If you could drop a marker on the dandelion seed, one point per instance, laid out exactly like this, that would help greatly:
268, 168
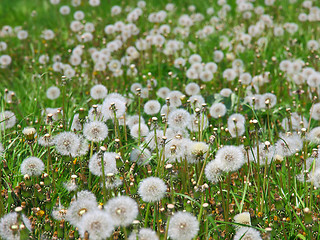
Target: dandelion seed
10, 228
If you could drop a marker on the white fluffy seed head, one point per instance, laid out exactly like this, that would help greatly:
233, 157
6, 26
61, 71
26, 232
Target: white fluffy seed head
53, 92
98, 91
183, 226
230, 158
32, 166
152, 107
152, 189
123, 210
217, 110
179, 119
67, 143
95, 131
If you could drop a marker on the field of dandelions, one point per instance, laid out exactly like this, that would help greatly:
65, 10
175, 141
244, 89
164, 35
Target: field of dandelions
151, 120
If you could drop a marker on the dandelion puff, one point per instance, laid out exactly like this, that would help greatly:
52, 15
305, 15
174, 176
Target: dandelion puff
314, 112
95, 131
236, 130
246, 233
196, 122
59, 213
109, 161
46, 140
9, 226
53, 92
236, 118
152, 189
174, 97
179, 118
144, 234
225, 92
67, 143
83, 148
154, 139
133, 120
78, 209
192, 89
98, 224
163, 92
183, 226
32, 166
7, 120
270, 98
140, 156
134, 131
196, 101
123, 210
70, 186
95, 114
297, 122
288, 145
313, 135
213, 172
85, 195
230, 158
152, 107
98, 91
56, 113
110, 103
76, 124
315, 178
218, 110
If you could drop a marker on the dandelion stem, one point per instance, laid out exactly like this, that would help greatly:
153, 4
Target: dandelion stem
147, 215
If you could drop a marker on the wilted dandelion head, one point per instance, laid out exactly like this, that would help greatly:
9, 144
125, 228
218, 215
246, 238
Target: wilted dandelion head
179, 119
183, 226
243, 218
95, 131
53, 92
32, 166
144, 234
152, 189
7, 120
246, 233
123, 210
98, 223
67, 143
230, 158
98, 91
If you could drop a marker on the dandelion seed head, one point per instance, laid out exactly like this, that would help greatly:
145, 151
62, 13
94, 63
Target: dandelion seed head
98, 91
53, 92
183, 226
152, 189
95, 131
123, 210
32, 166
